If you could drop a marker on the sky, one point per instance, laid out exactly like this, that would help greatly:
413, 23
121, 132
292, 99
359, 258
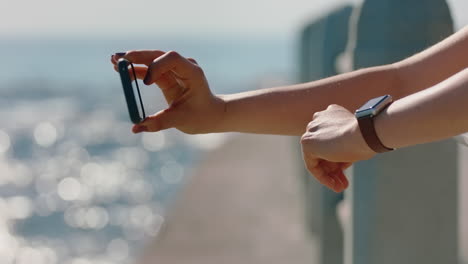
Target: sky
110, 17
146, 16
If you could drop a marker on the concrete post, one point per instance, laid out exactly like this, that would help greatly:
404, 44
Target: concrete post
404, 203
321, 43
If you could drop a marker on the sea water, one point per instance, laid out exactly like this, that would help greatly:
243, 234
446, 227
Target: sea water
76, 186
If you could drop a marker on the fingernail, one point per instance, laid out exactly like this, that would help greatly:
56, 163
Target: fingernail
120, 54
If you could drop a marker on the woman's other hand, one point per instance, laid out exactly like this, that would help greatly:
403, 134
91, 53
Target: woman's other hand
331, 143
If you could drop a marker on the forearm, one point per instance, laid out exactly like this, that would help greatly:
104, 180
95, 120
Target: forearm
433, 114
287, 110
434, 64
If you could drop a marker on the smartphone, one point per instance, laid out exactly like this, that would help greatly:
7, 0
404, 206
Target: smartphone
131, 90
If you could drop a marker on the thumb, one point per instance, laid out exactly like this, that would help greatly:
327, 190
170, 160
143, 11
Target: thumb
161, 120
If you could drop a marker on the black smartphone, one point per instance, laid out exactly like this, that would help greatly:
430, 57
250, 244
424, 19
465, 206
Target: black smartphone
131, 89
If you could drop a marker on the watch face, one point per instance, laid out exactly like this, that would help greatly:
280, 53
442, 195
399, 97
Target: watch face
373, 106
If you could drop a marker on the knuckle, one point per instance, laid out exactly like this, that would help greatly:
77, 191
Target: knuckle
316, 115
131, 53
192, 60
173, 54
197, 69
153, 63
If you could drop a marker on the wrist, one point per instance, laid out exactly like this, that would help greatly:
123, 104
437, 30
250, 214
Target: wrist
382, 123
366, 116
220, 122
362, 145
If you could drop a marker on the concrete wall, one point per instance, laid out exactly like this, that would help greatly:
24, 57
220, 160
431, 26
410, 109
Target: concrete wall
404, 203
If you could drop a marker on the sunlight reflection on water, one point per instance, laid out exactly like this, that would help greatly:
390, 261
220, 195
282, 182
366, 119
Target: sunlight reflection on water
4, 141
77, 187
45, 134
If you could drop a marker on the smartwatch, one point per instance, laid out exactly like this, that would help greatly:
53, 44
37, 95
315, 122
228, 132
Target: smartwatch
365, 117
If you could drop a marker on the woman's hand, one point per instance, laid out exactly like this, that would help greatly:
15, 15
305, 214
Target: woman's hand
331, 144
192, 107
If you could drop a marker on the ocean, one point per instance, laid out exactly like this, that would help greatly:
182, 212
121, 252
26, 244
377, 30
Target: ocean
76, 186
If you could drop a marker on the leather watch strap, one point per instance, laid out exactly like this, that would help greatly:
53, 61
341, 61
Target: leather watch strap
366, 125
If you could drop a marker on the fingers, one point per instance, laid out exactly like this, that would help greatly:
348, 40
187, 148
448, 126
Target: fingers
171, 61
138, 56
328, 173
317, 169
167, 82
167, 69
334, 170
319, 173
140, 72
339, 175
113, 61
171, 88
346, 165
192, 60
160, 121
159, 62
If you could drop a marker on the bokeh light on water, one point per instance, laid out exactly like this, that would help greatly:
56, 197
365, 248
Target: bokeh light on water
76, 186
4, 141
45, 134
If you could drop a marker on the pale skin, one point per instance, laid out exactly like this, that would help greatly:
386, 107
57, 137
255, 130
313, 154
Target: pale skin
436, 113
297, 109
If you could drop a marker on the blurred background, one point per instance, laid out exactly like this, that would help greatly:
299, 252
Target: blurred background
76, 186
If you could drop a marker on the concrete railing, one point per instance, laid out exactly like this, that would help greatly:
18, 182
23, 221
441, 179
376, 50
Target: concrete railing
322, 41
403, 204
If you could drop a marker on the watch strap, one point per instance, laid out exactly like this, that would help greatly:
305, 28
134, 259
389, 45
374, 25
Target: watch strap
366, 125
